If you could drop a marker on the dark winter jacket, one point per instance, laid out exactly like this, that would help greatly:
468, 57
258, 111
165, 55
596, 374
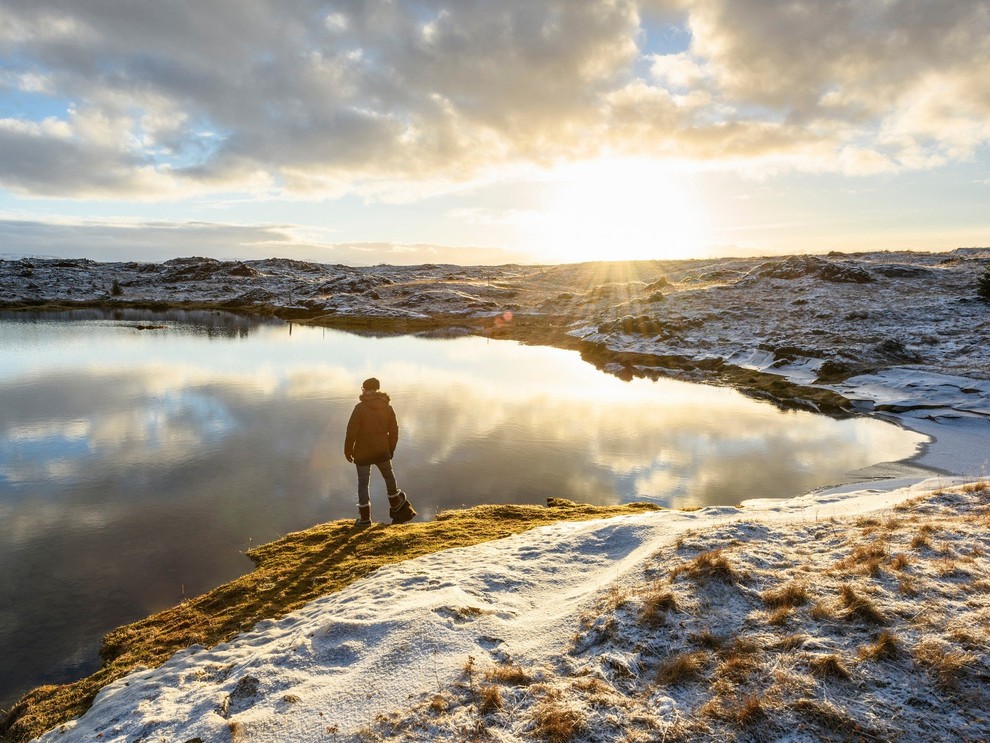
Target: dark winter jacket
372, 431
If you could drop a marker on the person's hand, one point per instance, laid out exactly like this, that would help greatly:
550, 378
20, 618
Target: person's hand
350, 457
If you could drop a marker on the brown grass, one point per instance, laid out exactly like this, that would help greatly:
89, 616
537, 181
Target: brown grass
832, 720
945, 664
900, 561
787, 596
489, 699
822, 611
885, 647
828, 667
739, 661
859, 607
682, 667
439, 705
656, 604
780, 616
707, 639
556, 722
510, 675
707, 566
743, 712
302, 566
907, 586
865, 559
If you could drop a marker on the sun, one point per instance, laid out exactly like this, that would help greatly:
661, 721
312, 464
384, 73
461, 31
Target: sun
621, 209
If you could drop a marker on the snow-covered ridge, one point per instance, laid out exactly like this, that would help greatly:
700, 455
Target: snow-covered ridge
814, 316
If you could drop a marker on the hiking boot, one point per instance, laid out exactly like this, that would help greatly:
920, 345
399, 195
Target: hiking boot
401, 509
364, 516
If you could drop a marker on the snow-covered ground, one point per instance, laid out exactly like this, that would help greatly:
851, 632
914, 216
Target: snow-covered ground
555, 627
415, 650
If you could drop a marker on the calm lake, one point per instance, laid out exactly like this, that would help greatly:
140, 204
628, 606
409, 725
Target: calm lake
142, 453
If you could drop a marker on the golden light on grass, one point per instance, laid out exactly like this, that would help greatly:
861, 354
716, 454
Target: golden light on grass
945, 663
489, 699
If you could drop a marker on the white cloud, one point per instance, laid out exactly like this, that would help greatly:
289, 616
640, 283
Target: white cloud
314, 97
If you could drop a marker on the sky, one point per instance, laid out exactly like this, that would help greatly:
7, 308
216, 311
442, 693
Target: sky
484, 131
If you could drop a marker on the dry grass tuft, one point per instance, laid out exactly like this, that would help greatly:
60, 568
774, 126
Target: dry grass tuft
786, 596
828, 667
489, 699
865, 559
832, 720
945, 664
860, 608
867, 522
899, 562
885, 647
790, 642
509, 675
907, 586
656, 604
708, 566
439, 705
592, 685
780, 616
555, 722
740, 661
707, 639
822, 611
743, 712
682, 667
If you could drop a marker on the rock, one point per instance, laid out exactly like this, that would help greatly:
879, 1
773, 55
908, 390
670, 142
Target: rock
630, 324
894, 351
901, 271
241, 269
660, 283
254, 296
801, 266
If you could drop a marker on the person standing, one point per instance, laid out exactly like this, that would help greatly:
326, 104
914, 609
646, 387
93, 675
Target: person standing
372, 435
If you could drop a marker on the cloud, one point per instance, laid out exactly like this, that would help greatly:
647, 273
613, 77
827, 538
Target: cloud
160, 241
313, 97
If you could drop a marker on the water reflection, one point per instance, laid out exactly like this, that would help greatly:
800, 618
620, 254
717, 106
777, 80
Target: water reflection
137, 464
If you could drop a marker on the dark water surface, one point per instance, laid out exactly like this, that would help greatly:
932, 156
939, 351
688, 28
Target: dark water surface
141, 454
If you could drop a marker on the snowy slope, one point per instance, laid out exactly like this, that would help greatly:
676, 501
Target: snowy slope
406, 633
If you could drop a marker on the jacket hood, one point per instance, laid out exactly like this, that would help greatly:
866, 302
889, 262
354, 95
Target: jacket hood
375, 398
